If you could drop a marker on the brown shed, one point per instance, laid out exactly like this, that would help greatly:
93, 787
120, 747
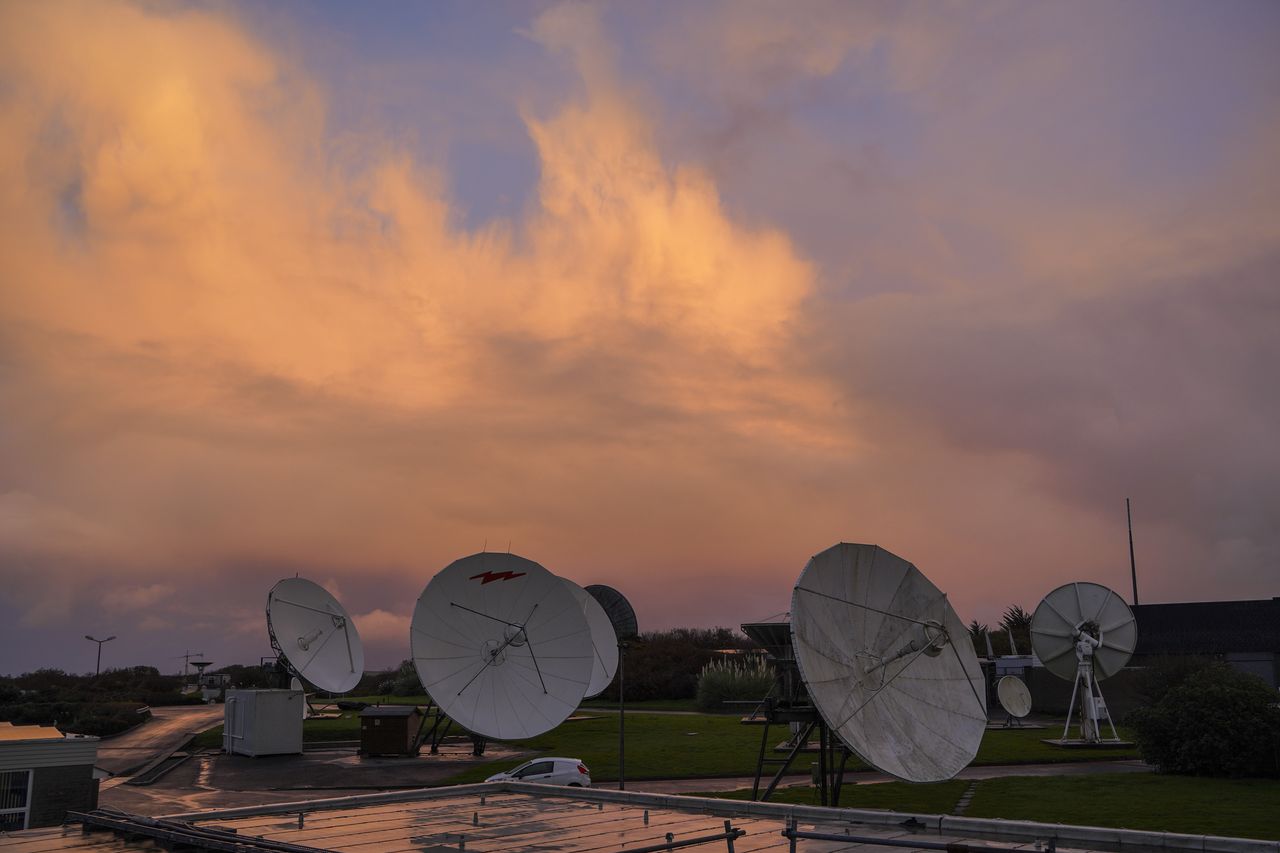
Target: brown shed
389, 729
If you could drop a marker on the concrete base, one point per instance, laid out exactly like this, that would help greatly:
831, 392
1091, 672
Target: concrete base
1076, 743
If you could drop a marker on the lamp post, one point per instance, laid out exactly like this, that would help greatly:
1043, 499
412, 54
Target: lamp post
98, 669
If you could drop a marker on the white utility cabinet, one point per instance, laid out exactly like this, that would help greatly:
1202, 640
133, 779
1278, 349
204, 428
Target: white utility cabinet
262, 722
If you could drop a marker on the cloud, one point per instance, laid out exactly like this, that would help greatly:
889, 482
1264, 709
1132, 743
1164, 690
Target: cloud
137, 597
381, 628
952, 284
231, 339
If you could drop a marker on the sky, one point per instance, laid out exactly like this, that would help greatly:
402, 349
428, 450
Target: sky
668, 296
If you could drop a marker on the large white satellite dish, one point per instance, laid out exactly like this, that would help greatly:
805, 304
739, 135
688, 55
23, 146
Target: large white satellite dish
888, 663
1092, 606
314, 633
604, 642
1014, 696
502, 646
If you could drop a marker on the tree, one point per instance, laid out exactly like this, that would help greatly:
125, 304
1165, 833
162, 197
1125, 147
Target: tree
978, 634
1018, 622
1214, 721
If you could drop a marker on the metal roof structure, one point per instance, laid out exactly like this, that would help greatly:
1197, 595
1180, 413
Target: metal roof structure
515, 816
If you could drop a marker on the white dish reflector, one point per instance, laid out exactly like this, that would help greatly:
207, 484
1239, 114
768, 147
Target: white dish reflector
315, 634
1014, 696
888, 663
1097, 608
502, 646
604, 642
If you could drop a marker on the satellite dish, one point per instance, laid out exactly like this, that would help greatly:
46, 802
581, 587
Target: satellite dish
604, 642
1083, 632
502, 646
618, 609
887, 663
1097, 609
312, 631
1014, 696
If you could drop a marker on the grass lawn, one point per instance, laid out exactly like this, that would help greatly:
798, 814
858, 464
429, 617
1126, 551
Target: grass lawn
1234, 807
662, 746
659, 746
1023, 746
1244, 807
933, 798
649, 705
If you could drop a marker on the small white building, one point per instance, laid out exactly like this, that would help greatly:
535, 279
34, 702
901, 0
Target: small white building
263, 722
43, 774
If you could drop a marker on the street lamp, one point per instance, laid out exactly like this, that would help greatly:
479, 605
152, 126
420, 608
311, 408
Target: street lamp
99, 642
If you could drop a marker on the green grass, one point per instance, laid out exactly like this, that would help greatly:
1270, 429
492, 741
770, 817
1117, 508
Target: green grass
1024, 746
933, 798
1148, 801
1240, 807
647, 705
659, 746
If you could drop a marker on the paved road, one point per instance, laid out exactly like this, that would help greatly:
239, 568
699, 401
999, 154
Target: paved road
168, 729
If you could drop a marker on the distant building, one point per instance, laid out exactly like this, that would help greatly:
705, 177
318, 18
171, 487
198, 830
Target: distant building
1244, 634
43, 774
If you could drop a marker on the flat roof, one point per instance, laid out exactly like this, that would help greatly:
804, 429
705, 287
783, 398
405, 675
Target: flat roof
510, 816
8, 731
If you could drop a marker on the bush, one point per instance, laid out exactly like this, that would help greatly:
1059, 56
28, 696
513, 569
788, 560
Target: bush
1213, 721
665, 664
736, 680
101, 718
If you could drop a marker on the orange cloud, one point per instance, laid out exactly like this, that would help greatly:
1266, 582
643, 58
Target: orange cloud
236, 341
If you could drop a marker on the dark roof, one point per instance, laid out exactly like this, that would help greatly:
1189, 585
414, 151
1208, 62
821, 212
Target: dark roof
389, 711
1208, 627
773, 637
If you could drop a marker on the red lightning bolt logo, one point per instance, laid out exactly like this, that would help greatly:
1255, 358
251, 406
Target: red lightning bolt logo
489, 577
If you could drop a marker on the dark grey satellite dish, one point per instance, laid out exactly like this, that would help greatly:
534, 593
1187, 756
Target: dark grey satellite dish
618, 609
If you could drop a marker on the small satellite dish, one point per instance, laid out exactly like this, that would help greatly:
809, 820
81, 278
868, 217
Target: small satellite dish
604, 642
314, 634
1096, 609
502, 646
1014, 696
618, 609
888, 663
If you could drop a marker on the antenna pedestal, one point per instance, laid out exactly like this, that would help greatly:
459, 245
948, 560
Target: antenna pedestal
1090, 710
801, 721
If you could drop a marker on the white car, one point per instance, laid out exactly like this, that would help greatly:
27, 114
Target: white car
548, 771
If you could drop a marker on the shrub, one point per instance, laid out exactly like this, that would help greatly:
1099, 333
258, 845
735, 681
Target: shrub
739, 680
1214, 721
665, 664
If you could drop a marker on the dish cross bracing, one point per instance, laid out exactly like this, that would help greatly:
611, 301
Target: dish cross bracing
888, 663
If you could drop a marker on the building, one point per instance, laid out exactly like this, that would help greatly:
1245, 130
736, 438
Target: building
1244, 634
43, 774
389, 730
